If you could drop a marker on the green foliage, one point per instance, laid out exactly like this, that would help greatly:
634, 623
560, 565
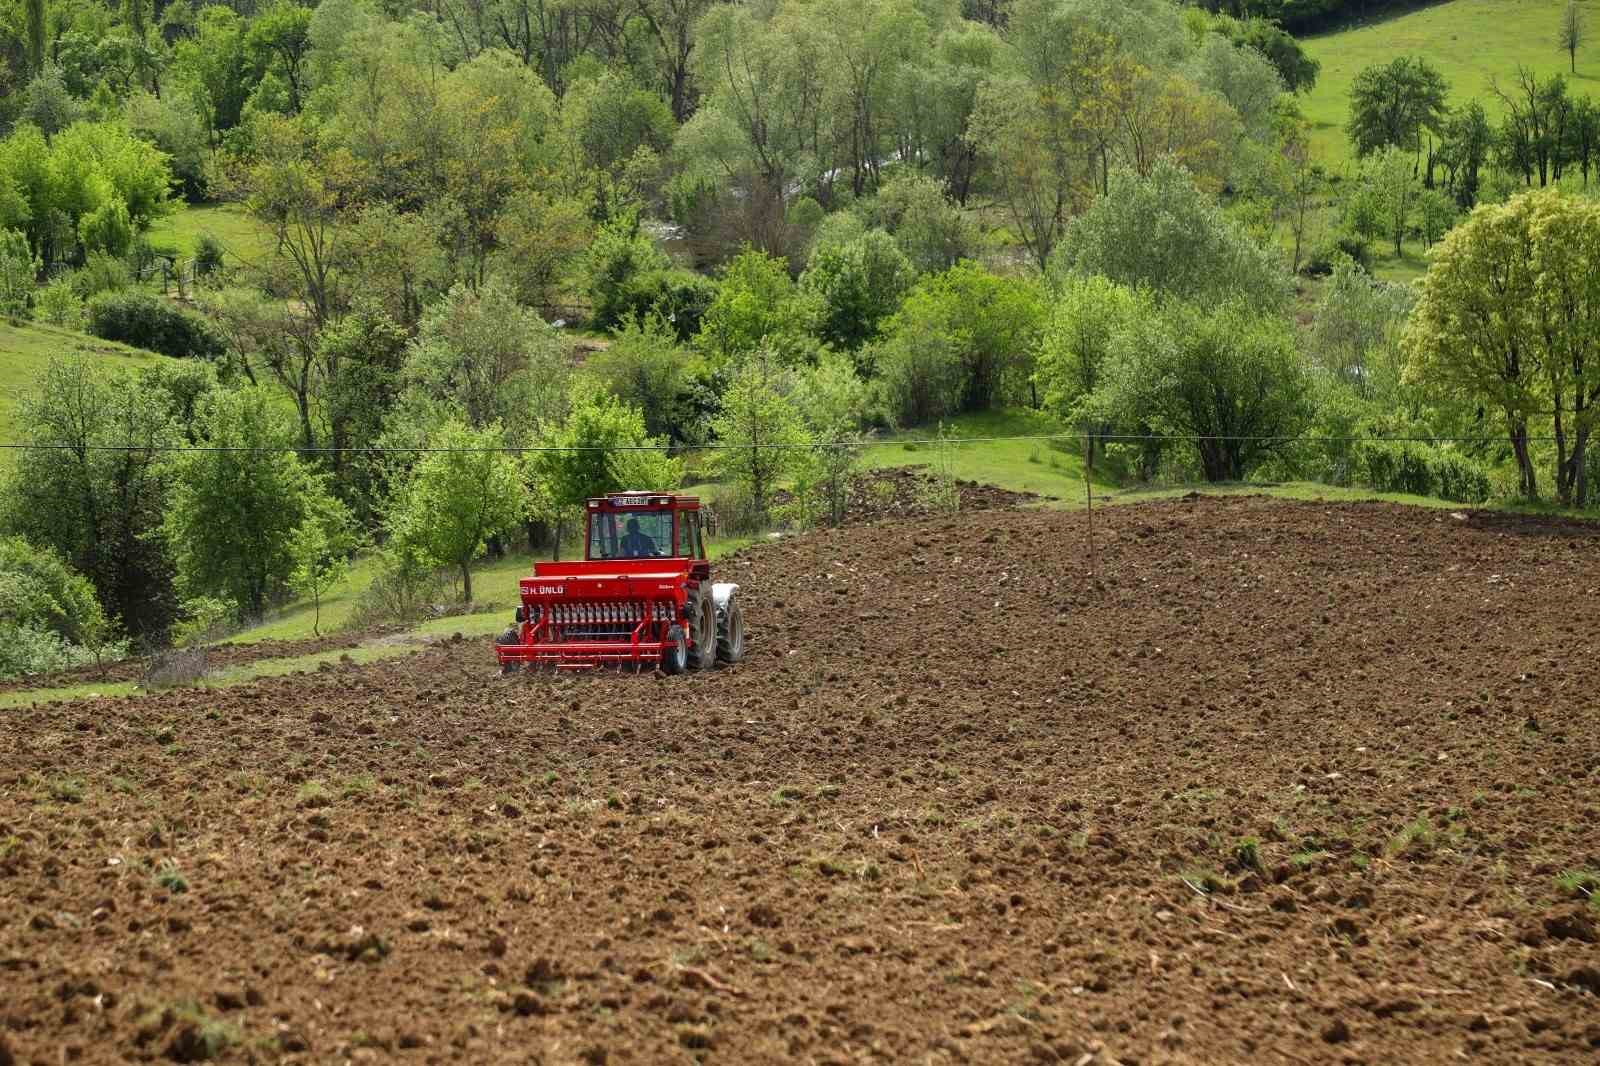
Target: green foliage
1421, 470
107, 229
48, 613
18, 266
233, 510
1297, 70
1392, 104
620, 254
1355, 333
57, 303
47, 104
208, 256
859, 285
541, 241
757, 303
1162, 232
1228, 377
595, 453
760, 431
466, 490
930, 230
321, 546
679, 298
145, 321
834, 403
647, 369
101, 273
1086, 319
98, 509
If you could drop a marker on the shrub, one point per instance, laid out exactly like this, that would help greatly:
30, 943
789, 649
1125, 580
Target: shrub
208, 256
1421, 470
101, 273
679, 298
143, 321
58, 304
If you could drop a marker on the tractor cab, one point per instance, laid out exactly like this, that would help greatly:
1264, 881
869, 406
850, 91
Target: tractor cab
643, 525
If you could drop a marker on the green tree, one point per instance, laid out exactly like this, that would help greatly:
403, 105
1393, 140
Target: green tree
233, 507
45, 609
1509, 318
1572, 33
320, 548
760, 432
930, 230
757, 303
1464, 146
540, 242
18, 267
619, 256
1298, 70
1087, 317
1394, 189
646, 368
34, 35
1162, 232
1356, 329
833, 401
95, 491
359, 364
859, 284
281, 37
602, 447
1393, 103
1227, 377
464, 491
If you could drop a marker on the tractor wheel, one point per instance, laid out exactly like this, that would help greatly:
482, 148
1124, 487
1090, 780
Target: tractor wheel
704, 655
675, 657
730, 638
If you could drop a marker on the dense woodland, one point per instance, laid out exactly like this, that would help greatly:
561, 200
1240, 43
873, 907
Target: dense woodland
499, 237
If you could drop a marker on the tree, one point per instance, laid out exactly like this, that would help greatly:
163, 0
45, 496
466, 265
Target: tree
760, 432
358, 363
95, 490
930, 230
1086, 320
34, 35
832, 400
281, 37
1227, 377
1509, 318
757, 303
1298, 70
1163, 232
464, 491
647, 369
1356, 330
672, 24
1394, 191
1537, 115
602, 447
234, 506
18, 267
859, 284
320, 549
1393, 103
488, 361
540, 242
45, 610
1572, 33
1464, 146
1299, 179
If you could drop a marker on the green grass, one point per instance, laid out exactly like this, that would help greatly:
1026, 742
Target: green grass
1048, 468
1467, 40
26, 350
243, 239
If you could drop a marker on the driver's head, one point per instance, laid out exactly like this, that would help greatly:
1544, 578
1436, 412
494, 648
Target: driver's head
633, 525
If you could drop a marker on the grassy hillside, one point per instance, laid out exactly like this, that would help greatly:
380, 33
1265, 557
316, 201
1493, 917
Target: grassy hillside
27, 349
1467, 40
242, 238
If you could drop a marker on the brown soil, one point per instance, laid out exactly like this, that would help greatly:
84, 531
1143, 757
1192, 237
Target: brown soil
1284, 783
218, 656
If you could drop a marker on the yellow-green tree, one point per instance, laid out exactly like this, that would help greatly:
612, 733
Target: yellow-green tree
1509, 318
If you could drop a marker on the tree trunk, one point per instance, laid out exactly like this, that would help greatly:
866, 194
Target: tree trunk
466, 581
1528, 484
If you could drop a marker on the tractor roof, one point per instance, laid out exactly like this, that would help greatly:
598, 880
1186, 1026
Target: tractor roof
639, 499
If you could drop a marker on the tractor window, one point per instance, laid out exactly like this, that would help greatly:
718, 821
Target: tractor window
630, 534
688, 531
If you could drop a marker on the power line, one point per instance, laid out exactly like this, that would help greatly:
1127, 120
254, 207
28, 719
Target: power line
1114, 438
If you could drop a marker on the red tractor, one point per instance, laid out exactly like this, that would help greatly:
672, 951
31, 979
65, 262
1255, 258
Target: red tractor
642, 595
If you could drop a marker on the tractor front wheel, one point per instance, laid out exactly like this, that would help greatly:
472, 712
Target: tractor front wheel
730, 637
675, 656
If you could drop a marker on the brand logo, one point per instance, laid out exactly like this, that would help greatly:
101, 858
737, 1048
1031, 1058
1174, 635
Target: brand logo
549, 590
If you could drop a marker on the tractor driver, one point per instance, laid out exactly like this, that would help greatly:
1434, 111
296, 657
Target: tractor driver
636, 544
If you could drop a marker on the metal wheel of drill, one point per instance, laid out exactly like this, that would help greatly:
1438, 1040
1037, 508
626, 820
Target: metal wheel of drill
704, 655
730, 637
675, 656
511, 635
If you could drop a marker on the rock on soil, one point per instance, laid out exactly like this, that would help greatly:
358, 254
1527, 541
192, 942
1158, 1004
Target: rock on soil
1259, 788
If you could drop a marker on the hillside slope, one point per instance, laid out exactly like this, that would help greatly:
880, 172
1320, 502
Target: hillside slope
1469, 41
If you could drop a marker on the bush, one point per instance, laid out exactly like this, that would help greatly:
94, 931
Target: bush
143, 321
58, 305
678, 297
101, 273
208, 256
1421, 470
1325, 256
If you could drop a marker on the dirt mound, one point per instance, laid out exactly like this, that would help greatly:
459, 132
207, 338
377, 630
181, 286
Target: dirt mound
1279, 782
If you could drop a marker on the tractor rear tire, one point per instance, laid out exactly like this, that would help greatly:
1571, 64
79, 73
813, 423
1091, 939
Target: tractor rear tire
730, 636
704, 654
675, 656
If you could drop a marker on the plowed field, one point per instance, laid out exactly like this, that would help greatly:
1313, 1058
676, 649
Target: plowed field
1281, 783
